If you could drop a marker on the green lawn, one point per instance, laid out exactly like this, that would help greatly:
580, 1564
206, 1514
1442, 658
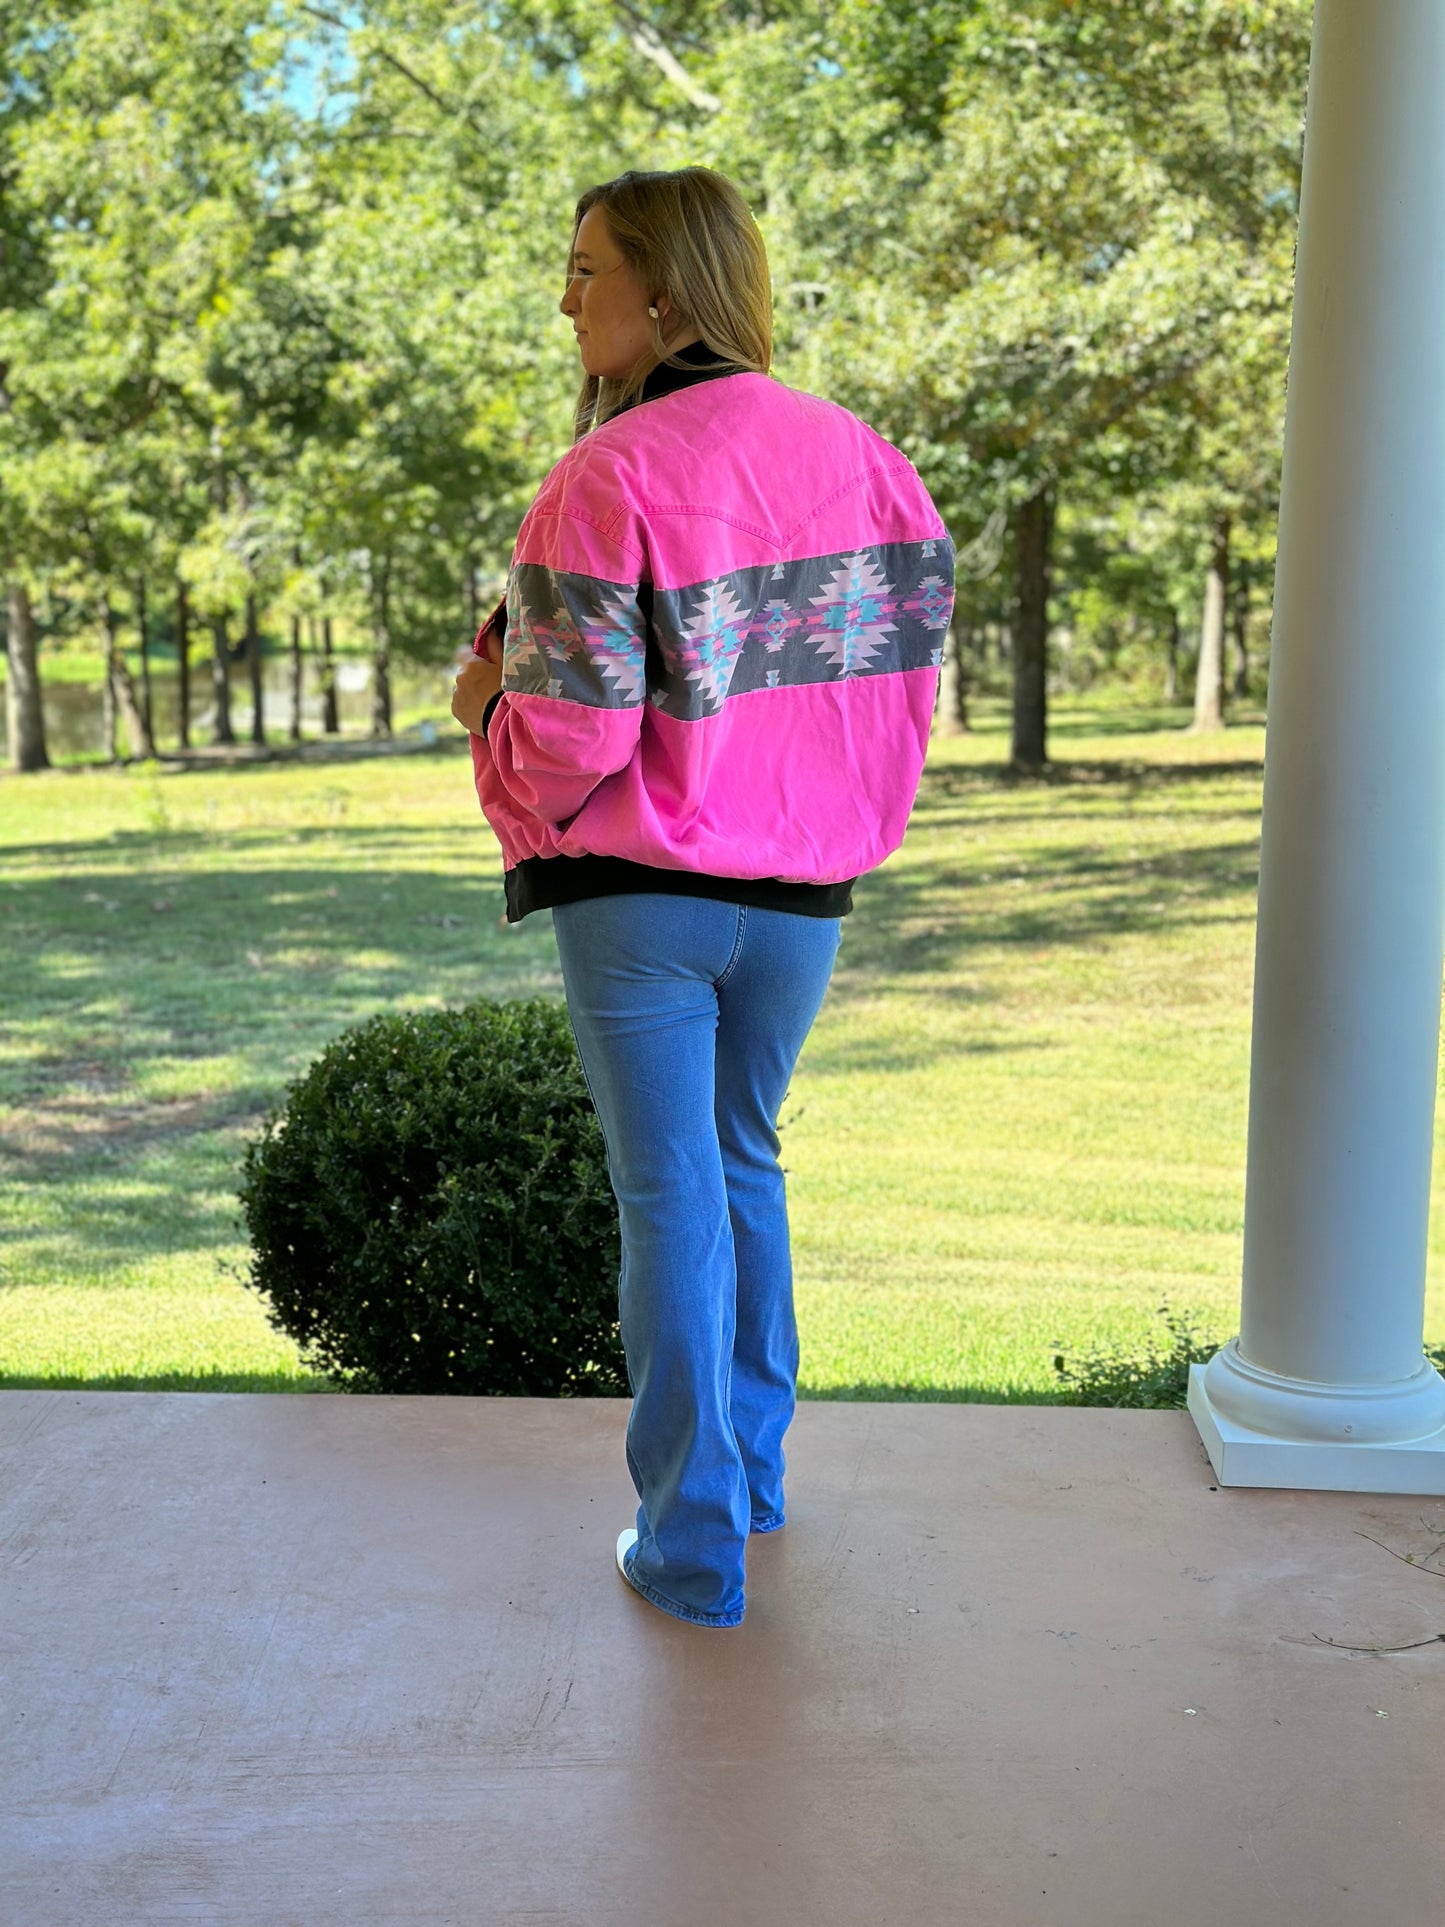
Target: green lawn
1017, 1128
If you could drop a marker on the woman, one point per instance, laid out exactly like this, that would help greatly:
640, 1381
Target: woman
722, 631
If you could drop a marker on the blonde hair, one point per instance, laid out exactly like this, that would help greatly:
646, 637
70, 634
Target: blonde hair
689, 235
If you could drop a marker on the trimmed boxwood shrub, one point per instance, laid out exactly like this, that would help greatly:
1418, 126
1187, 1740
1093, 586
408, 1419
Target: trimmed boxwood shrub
429, 1209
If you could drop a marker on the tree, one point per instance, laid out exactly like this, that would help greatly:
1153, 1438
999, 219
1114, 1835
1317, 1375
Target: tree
1001, 250
1209, 683
309, 367
24, 717
29, 33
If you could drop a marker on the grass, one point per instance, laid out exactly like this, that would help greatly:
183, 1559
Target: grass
1017, 1128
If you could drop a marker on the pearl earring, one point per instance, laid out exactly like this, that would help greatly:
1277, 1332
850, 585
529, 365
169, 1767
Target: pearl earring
653, 313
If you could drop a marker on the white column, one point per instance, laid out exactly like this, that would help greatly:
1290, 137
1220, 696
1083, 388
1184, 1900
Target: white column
1326, 1386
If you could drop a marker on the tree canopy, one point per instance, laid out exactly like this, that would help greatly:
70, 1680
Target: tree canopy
278, 287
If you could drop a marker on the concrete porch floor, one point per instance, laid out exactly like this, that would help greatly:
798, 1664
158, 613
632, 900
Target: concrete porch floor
311, 1659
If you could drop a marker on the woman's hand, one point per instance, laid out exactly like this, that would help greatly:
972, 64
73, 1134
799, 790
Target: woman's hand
478, 682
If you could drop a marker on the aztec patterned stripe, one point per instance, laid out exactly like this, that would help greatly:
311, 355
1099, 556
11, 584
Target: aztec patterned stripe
573, 636
823, 618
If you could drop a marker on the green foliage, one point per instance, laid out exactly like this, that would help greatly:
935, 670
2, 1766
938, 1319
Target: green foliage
430, 1212
1157, 1380
1116, 606
299, 344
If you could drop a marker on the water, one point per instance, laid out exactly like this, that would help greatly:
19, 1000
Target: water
74, 723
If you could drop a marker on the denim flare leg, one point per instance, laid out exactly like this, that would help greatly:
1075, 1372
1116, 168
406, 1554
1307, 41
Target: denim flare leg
689, 1015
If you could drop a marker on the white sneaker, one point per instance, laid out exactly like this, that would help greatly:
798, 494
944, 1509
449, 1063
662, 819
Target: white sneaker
624, 1540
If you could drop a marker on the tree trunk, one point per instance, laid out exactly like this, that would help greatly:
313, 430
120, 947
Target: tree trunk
147, 703
221, 625
221, 678
1239, 623
1209, 684
381, 691
108, 716
330, 719
952, 706
183, 662
295, 679
24, 712
253, 666
296, 664
381, 679
122, 688
1171, 658
1030, 636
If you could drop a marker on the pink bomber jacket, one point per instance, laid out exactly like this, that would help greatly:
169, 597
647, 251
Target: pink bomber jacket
725, 618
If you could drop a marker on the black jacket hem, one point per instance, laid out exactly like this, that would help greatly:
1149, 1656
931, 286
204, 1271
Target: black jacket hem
541, 882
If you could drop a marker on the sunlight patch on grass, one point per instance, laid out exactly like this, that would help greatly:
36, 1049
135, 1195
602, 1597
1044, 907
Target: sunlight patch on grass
184, 1330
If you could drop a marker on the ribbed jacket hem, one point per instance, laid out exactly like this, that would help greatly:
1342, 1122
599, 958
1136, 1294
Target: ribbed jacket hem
540, 882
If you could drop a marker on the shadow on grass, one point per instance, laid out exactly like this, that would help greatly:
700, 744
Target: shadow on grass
1128, 775
159, 952
918, 922
1145, 721
202, 961
159, 992
147, 952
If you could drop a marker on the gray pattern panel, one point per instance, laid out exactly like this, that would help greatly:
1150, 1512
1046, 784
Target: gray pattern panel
860, 612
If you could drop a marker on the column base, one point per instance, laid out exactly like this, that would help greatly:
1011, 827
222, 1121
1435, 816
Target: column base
1244, 1457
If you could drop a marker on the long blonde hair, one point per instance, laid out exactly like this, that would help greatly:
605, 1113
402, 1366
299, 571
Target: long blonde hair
687, 233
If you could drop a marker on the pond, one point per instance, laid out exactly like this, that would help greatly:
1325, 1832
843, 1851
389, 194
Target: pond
74, 723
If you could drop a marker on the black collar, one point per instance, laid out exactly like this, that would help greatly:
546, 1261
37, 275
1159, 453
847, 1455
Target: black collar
701, 366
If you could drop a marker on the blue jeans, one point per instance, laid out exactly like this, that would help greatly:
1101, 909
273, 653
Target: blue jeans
689, 1015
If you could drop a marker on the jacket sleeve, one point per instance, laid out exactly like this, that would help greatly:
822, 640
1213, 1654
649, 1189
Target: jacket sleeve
570, 710
494, 626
